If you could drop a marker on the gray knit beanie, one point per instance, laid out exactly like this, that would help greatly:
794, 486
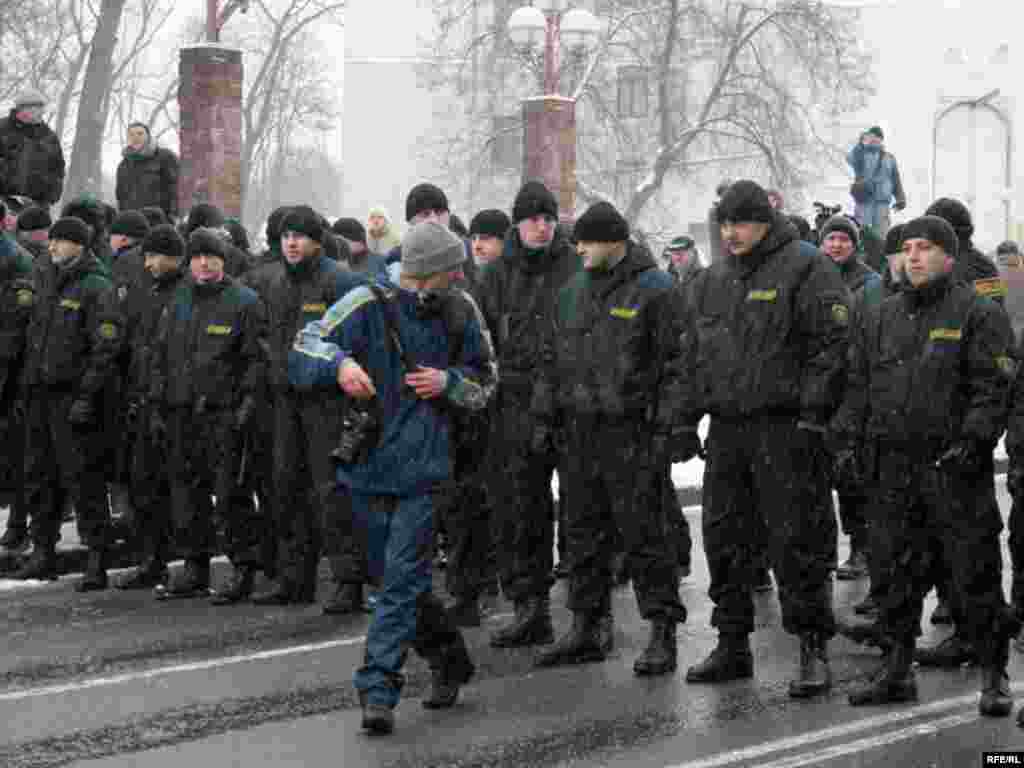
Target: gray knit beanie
429, 248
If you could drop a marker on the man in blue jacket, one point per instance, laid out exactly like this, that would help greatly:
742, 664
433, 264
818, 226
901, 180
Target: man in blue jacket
409, 353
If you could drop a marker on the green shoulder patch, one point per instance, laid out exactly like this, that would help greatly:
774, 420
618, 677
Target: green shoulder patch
108, 330
25, 297
71, 304
218, 330
945, 334
763, 295
1006, 365
991, 287
318, 307
626, 313
841, 314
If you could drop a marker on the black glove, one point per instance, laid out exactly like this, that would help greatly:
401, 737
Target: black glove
244, 412
543, 439
965, 457
846, 469
157, 426
82, 413
134, 409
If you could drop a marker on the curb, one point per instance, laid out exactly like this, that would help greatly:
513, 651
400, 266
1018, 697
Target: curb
72, 559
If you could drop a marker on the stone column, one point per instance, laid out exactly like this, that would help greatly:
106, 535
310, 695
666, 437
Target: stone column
549, 149
210, 100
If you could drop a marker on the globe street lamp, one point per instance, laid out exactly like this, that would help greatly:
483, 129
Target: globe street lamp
549, 120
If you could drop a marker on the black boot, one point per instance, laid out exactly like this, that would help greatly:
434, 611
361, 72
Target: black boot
149, 574
730, 660
863, 632
238, 589
531, 625
660, 656
465, 611
451, 670
952, 652
581, 644
95, 578
996, 698
348, 598
377, 719
896, 683
41, 565
815, 676
14, 540
281, 594
195, 581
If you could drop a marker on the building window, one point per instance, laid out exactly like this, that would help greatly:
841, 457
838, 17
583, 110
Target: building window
507, 143
632, 91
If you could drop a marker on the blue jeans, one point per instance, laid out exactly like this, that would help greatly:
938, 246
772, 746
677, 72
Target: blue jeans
400, 544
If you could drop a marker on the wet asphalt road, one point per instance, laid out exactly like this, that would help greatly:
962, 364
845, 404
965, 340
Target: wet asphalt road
116, 679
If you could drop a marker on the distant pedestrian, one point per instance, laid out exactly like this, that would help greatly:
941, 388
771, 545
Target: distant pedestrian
147, 174
31, 158
877, 186
382, 236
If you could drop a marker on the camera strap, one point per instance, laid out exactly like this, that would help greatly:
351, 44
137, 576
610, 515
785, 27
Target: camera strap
387, 301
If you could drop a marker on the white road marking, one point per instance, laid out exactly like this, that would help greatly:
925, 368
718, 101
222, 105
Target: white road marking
835, 732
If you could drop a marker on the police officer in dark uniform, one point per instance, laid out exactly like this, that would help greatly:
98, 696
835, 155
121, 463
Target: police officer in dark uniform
517, 295
307, 426
764, 338
75, 336
612, 374
163, 253
929, 377
208, 372
17, 297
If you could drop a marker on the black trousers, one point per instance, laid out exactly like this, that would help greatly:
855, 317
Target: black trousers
151, 493
62, 461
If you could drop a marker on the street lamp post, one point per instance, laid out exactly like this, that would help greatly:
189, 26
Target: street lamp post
549, 120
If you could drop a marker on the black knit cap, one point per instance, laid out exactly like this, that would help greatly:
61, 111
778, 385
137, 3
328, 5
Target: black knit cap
274, 220
305, 220
239, 234
490, 223
424, 197
955, 213
935, 229
34, 218
73, 229
840, 223
894, 238
350, 229
745, 201
130, 224
164, 239
90, 210
154, 215
534, 199
601, 223
209, 241
204, 215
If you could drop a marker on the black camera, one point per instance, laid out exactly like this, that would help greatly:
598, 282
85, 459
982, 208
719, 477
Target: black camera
359, 432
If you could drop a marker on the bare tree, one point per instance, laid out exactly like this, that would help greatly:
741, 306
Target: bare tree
676, 90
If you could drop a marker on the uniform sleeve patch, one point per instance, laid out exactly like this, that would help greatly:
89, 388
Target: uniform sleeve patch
1006, 365
218, 330
317, 307
25, 297
945, 334
763, 295
991, 287
841, 314
71, 304
626, 313
108, 330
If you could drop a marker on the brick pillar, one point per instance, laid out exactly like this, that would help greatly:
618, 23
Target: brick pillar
210, 99
549, 148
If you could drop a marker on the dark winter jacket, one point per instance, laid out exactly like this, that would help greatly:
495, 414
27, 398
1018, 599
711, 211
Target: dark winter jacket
210, 346
76, 331
263, 268
294, 297
31, 161
142, 307
856, 274
517, 295
931, 367
148, 179
976, 269
611, 348
17, 298
413, 453
766, 333
128, 271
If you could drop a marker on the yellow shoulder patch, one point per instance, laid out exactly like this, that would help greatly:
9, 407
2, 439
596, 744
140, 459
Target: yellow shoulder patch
945, 334
70, 304
991, 287
108, 330
841, 314
769, 295
318, 307
218, 330
25, 297
1006, 365
626, 313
